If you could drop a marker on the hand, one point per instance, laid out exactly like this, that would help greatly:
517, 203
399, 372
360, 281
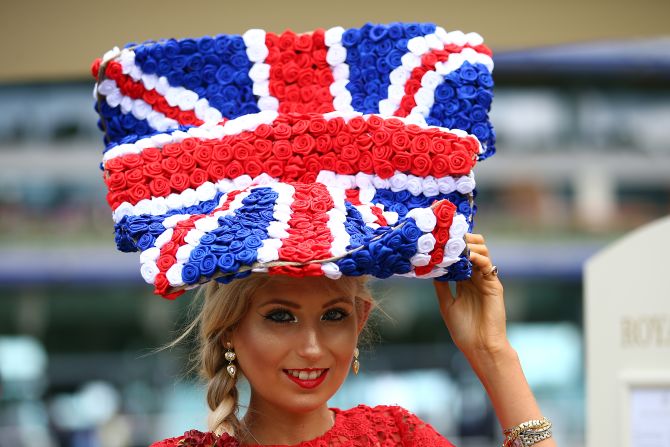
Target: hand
475, 317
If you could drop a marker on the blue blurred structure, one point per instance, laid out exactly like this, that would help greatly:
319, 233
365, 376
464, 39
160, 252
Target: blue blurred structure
625, 60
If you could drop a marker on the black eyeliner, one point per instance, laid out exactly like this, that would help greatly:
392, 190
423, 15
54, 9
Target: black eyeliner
279, 310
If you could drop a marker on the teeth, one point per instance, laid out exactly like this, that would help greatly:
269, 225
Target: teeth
305, 375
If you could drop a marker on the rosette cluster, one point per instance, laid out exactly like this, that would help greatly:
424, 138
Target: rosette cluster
336, 152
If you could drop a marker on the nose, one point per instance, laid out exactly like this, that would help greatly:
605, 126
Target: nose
310, 345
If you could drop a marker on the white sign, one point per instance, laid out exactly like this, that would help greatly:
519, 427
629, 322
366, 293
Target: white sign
650, 417
627, 326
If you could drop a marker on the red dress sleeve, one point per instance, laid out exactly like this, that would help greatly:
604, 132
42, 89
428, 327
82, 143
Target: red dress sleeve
192, 438
170, 442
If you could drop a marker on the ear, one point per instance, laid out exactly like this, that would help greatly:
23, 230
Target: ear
362, 314
225, 338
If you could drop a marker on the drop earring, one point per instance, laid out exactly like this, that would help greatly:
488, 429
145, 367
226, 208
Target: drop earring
230, 356
356, 364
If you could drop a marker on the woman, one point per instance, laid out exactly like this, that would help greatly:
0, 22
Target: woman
330, 156
294, 340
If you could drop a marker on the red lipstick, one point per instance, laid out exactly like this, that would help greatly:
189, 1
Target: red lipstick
307, 383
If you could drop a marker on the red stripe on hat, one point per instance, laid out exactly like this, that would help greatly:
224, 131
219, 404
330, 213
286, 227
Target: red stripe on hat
444, 211
136, 90
381, 220
309, 235
167, 257
300, 76
292, 149
353, 196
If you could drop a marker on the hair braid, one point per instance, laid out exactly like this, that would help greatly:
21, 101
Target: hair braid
223, 308
222, 394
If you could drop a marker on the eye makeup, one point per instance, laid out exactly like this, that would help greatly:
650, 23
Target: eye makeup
281, 315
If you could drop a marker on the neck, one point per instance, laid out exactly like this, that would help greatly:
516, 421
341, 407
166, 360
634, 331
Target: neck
266, 424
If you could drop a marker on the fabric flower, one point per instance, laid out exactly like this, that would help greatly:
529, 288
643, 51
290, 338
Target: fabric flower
162, 161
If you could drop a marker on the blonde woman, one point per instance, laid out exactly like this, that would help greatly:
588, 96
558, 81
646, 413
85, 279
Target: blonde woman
294, 340
283, 169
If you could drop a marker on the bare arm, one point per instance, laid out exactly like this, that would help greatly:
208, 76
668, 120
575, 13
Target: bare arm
475, 318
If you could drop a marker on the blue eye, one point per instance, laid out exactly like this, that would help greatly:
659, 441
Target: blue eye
334, 315
280, 316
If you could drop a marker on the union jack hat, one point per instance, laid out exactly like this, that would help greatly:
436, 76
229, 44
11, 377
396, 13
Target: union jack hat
336, 152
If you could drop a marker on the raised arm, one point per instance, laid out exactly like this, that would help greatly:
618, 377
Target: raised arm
475, 318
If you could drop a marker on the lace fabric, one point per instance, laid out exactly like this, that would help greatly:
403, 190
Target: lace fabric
361, 426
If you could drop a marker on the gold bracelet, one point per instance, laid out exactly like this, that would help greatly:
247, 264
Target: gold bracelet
528, 433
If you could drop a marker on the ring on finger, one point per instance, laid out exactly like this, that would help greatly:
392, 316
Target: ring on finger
493, 271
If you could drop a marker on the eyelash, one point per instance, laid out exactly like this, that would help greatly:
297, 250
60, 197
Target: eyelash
273, 313
343, 314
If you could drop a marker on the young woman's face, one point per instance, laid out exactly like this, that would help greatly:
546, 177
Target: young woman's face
295, 344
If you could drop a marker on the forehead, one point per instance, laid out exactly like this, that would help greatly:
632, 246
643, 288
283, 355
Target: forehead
311, 289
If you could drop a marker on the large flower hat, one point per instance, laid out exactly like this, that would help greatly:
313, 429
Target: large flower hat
326, 153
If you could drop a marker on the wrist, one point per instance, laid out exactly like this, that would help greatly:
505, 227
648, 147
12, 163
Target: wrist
493, 361
499, 370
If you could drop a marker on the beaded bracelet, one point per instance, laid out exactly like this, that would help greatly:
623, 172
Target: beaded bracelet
528, 433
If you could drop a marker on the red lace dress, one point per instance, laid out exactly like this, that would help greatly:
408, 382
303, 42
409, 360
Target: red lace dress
362, 426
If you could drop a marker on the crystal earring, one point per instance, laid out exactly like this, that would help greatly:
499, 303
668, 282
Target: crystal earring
230, 356
356, 364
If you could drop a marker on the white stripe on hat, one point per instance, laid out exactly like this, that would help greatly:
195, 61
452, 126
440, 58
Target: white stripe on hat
277, 230
139, 108
176, 96
336, 58
367, 184
417, 47
201, 227
425, 96
337, 216
259, 73
206, 131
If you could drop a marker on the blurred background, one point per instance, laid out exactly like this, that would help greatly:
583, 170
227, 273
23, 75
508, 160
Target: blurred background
582, 114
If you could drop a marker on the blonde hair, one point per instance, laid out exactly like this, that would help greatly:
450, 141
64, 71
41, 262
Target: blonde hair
223, 308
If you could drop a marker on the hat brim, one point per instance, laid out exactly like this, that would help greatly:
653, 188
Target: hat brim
264, 229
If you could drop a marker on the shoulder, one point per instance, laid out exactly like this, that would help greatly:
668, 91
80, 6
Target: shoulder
169, 442
376, 412
193, 438
395, 423
380, 415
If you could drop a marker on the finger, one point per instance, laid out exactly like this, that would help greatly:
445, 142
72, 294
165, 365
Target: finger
474, 238
444, 295
479, 248
482, 263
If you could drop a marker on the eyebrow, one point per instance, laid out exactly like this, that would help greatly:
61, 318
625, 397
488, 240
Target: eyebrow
338, 300
282, 302
294, 305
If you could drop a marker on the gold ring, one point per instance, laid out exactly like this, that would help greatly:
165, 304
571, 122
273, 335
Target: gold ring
493, 271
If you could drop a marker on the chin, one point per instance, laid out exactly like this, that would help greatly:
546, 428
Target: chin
295, 400
304, 404
289, 397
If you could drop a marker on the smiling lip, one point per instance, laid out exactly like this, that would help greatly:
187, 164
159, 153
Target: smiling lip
308, 383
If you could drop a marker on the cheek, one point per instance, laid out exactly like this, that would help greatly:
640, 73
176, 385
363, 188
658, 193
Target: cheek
346, 356
341, 340
258, 350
